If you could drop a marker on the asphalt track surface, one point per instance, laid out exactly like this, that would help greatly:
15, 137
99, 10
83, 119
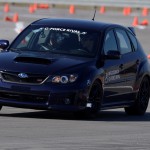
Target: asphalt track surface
26, 129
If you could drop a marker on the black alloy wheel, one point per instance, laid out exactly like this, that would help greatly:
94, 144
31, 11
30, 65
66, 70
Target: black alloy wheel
141, 103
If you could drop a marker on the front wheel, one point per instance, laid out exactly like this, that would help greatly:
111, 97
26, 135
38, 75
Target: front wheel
141, 103
95, 98
1, 107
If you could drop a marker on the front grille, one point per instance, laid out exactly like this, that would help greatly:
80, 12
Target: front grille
31, 79
27, 98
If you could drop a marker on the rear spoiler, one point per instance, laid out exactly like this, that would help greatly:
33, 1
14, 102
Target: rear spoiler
132, 30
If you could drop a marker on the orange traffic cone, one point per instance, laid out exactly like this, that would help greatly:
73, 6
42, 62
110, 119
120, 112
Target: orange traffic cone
15, 17
31, 9
102, 10
148, 56
8, 19
72, 9
43, 6
135, 21
35, 6
144, 22
128, 10
145, 12
125, 13
6, 8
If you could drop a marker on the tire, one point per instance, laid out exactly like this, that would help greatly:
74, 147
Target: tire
141, 103
1, 107
95, 97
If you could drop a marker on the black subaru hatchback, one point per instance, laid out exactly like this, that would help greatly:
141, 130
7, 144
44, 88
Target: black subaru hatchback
75, 65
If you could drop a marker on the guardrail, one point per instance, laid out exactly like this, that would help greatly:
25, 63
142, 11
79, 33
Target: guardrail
110, 3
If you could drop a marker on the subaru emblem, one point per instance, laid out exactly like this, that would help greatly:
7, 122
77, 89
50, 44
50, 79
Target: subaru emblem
22, 75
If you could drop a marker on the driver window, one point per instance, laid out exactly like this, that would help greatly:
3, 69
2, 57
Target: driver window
110, 42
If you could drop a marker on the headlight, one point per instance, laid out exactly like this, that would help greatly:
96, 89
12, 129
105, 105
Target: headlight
63, 79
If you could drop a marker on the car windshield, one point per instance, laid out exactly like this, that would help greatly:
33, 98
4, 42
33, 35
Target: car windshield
57, 40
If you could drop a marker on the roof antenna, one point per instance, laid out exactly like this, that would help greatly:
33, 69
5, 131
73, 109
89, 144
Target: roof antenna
94, 14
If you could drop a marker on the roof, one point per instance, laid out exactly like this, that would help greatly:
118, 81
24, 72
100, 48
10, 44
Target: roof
73, 23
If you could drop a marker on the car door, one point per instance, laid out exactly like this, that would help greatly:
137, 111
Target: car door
114, 82
130, 58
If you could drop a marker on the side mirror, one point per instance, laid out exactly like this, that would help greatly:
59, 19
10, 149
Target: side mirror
4, 44
111, 54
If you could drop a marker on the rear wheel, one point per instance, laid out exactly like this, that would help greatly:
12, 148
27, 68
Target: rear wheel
141, 103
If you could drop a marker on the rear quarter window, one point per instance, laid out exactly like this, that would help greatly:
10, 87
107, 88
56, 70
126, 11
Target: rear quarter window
133, 40
124, 41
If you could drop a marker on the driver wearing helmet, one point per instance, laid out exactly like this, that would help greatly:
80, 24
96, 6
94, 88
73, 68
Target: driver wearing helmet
87, 43
52, 43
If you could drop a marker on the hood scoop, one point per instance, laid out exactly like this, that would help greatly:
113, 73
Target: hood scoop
33, 60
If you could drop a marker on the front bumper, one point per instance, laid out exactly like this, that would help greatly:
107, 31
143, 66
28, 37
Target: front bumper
44, 97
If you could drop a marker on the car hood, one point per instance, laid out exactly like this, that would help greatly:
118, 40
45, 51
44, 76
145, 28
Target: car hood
39, 63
